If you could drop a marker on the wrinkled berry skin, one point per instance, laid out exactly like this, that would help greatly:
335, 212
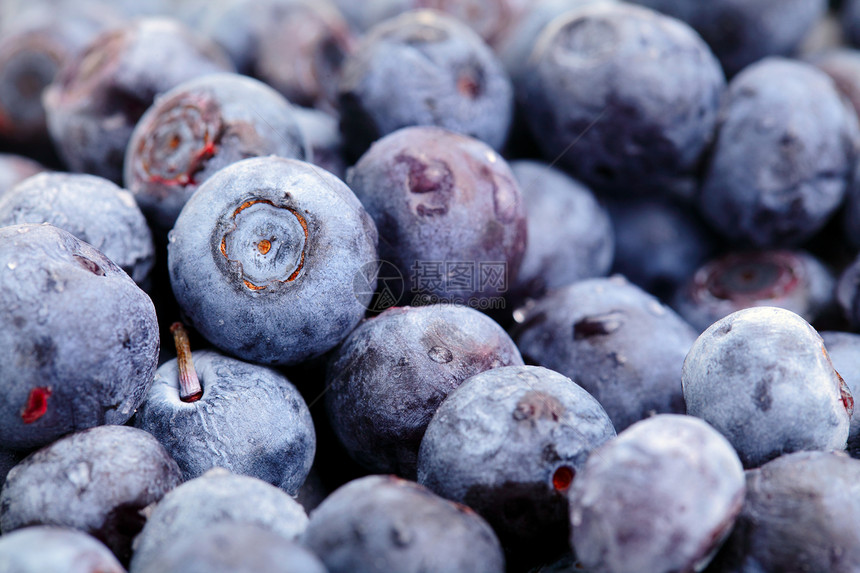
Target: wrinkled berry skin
14, 169
423, 68
599, 76
234, 548
793, 280
762, 377
390, 375
322, 132
265, 256
381, 523
250, 420
200, 127
661, 497
92, 209
800, 514
97, 98
97, 480
43, 548
444, 198
570, 236
741, 32
508, 443
80, 339
783, 156
216, 497
844, 351
615, 340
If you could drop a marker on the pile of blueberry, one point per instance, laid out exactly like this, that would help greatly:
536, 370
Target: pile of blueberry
473, 286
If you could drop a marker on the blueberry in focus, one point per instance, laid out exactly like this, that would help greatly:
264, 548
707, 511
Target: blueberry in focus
423, 68
509, 443
616, 341
265, 256
449, 211
844, 351
44, 548
14, 169
97, 98
389, 376
97, 480
80, 339
92, 209
783, 156
199, 127
661, 497
216, 497
379, 524
243, 417
762, 377
794, 280
570, 236
626, 99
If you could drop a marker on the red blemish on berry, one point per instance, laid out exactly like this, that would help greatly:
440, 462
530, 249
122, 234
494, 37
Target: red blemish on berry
37, 404
562, 478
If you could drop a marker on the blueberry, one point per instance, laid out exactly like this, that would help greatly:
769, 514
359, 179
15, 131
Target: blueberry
794, 280
783, 156
390, 375
844, 351
493, 20
234, 548
363, 16
98, 96
199, 127
42, 549
214, 498
661, 497
615, 340
423, 68
659, 243
247, 418
324, 139
264, 256
97, 480
92, 209
382, 523
449, 211
570, 234
800, 514
80, 339
508, 443
762, 377
14, 169
599, 79
741, 32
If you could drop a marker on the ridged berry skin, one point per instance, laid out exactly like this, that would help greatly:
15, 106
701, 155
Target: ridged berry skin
265, 256
442, 198
423, 68
250, 420
216, 497
844, 351
92, 209
661, 497
616, 341
800, 514
200, 127
44, 548
389, 376
793, 280
16, 168
508, 443
98, 481
762, 377
637, 91
235, 548
80, 339
570, 236
783, 156
378, 524
97, 98
741, 32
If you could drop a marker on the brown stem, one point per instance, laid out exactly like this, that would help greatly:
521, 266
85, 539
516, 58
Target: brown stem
190, 389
